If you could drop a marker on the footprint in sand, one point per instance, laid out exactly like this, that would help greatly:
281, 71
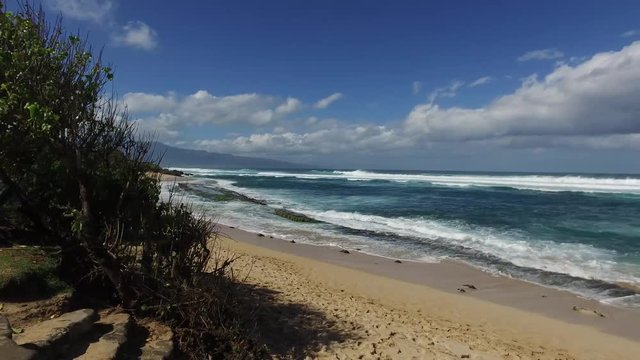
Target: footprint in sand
588, 311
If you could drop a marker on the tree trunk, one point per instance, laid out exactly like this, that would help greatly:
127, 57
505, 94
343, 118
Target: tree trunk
90, 237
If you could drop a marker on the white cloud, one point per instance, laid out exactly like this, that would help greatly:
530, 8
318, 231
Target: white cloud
416, 86
592, 104
481, 81
631, 33
595, 98
338, 139
143, 102
600, 142
136, 34
165, 126
173, 113
449, 91
542, 54
94, 10
326, 102
290, 106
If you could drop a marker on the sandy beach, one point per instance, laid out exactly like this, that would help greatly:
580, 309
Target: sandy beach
338, 305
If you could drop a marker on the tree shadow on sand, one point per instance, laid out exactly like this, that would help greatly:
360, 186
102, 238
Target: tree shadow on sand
290, 330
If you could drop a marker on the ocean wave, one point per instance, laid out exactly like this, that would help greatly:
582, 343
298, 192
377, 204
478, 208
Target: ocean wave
578, 260
583, 269
627, 185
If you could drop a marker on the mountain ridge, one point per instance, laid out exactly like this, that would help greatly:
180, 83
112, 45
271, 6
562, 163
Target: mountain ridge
172, 156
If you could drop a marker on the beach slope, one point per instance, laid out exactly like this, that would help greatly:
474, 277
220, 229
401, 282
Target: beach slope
322, 310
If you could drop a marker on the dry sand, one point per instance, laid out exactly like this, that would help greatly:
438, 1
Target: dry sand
342, 307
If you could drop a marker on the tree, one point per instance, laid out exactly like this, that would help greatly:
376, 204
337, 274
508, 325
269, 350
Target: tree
73, 173
70, 157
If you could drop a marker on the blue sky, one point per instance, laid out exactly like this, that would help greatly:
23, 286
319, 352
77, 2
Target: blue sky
462, 85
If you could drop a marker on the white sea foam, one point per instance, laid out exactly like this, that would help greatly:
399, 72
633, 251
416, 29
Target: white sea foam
578, 260
629, 185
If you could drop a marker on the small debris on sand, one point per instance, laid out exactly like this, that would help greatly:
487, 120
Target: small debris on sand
470, 286
462, 290
345, 251
260, 235
398, 262
588, 311
292, 241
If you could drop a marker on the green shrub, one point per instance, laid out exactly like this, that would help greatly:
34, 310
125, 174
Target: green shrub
28, 273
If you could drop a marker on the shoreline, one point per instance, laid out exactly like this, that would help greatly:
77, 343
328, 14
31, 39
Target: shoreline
449, 276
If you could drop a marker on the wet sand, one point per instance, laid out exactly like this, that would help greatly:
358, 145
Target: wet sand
415, 310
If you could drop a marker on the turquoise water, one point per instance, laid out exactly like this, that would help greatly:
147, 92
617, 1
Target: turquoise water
575, 232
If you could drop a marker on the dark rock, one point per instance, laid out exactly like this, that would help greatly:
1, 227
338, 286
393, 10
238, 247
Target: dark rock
294, 216
292, 241
470, 286
5, 328
8, 348
260, 235
398, 262
12, 351
462, 290
63, 329
345, 251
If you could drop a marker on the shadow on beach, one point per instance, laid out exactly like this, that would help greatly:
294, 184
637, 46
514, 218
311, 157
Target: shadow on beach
290, 330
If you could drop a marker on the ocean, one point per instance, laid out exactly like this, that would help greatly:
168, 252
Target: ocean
577, 232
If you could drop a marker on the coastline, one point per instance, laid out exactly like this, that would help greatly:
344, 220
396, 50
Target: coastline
508, 308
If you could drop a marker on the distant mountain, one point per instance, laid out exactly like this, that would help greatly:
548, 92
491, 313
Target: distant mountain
178, 157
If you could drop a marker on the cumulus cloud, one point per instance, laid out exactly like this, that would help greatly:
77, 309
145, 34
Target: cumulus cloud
136, 34
600, 142
165, 126
481, 81
173, 113
596, 97
326, 102
542, 54
143, 102
290, 106
591, 104
94, 10
337, 139
448, 91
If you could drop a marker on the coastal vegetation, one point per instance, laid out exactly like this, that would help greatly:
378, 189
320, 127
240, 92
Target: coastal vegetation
74, 178
29, 273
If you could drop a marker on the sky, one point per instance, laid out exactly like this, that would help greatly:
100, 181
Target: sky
431, 85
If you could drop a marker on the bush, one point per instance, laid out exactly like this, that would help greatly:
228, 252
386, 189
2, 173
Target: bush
74, 173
